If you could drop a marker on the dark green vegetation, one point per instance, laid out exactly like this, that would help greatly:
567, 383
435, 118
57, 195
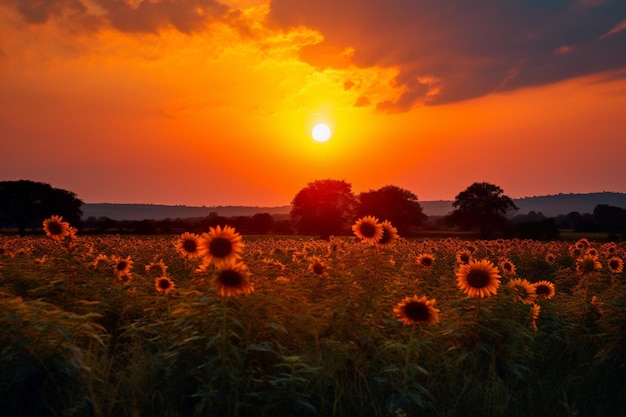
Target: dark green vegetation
327, 208
78, 341
25, 204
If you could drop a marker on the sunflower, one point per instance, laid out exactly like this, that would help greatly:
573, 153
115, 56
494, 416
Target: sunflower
233, 278
587, 264
615, 264
597, 305
414, 310
534, 315
478, 278
508, 267
609, 249
368, 229
425, 259
544, 289
582, 243
464, 256
220, 245
523, 291
122, 267
187, 245
99, 260
164, 285
56, 228
550, 258
72, 232
156, 269
317, 266
389, 236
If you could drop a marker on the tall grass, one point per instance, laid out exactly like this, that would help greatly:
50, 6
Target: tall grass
78, 341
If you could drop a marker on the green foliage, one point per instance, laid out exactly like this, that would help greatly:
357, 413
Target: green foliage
27, 203
77, 340
324, 207
482, 206
395, 204
42, 365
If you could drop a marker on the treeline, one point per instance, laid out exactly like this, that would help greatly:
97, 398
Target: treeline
258, 224
604, 219
323, 208
533, 225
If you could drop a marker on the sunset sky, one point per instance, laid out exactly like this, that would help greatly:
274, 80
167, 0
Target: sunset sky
202, 102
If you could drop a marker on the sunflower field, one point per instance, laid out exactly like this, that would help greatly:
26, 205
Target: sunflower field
371, 325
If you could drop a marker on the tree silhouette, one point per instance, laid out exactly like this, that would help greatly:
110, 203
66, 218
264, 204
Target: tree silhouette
482, 206
26, 204
261, 223
324, 208
609, 218
395, 204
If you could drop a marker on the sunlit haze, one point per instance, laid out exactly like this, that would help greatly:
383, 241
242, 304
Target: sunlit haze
197, 102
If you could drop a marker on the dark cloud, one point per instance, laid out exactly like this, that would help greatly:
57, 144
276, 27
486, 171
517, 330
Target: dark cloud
40, 11
457, 49
186, 16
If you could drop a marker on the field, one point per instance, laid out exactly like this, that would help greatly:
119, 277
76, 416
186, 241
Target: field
133, 326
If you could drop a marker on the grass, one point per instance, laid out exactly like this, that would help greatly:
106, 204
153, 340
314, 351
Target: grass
79, 341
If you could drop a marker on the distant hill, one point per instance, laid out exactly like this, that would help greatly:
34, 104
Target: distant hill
549, 205
160, 212
554, 205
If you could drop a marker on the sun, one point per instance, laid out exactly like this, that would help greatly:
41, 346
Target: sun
321, 132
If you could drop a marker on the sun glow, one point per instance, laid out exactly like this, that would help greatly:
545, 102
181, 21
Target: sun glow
321, 133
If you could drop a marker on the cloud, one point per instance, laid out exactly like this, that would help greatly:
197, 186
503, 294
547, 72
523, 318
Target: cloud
455, 50
41, 11
144, 16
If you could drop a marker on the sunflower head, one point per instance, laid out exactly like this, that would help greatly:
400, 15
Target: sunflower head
550, 258
587, 264
56, 228
463, 257
478, 278
416, 310
188, 245
156, 268
523, 291
164, 285
615, 265
317, 266
221, 245
122, 267
425, 260
507, 267
368, 229
389, 236
544, 289
232, 278
100, 259
582, 243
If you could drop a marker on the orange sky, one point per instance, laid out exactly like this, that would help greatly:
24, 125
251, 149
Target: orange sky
197, 102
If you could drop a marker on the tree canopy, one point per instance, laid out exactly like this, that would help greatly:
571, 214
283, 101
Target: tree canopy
395, 204
26, 204
481, 206
324, 207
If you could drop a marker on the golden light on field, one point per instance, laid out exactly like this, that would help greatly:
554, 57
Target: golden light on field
321, 132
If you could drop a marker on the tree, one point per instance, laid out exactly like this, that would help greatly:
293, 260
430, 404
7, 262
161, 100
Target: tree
261, 223
26, 203
324, 207
395, 204
482, 206
609, 218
